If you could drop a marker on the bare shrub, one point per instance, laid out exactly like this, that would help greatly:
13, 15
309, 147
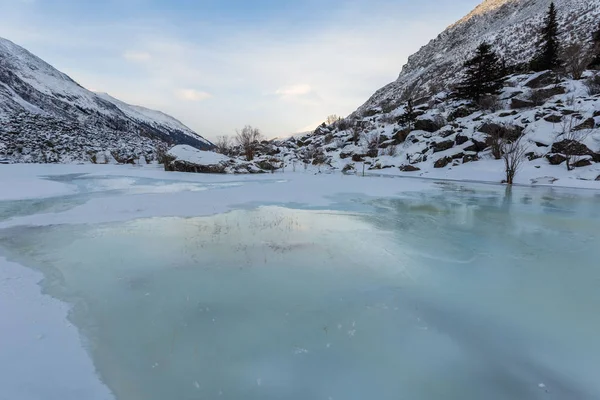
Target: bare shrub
576, 58
513, 153
439, 121
593, 85
538, 97
371, 143
499, 135
223, 145
571, 141
391, 151
248, 138
570, 100
332, 119
491, 103
161, 151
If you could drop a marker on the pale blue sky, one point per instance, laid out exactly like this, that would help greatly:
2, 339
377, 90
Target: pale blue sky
217, 65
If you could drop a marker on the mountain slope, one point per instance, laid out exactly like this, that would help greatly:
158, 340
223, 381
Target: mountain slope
37, 102
510, 25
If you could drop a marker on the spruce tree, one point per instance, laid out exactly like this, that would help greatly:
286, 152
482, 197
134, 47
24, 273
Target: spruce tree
595, 64
547, 56
484, 74
410, 116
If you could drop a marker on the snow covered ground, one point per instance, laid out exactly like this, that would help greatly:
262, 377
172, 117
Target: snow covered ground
347, 287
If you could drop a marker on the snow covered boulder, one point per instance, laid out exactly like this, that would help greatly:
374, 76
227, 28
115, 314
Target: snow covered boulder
184, 158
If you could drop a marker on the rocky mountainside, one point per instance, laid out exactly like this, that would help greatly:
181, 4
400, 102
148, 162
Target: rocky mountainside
45, 116
511, 26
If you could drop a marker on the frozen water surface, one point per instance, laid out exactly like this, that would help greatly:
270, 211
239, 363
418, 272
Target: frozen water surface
459, 292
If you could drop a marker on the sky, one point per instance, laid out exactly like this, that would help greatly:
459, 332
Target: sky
218, 65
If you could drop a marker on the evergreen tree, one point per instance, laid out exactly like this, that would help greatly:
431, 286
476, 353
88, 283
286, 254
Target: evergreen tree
547, 56
410, 116
484, 74
595, 64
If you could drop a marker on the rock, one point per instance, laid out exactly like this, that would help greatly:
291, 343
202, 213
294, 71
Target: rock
358, 157
596, 113
477, 146
409, 168
266, 165
553, 118
572, 147
458, 156
469, 158
401, 135
372, 153
540, 144
442, 162
442, 146
582, 163
519, 103
567, 112
551, 92
543, 79
185, 166
461, 140
460, 112
348, 169
507, 114
598, 178
556, 159
343, 155
426, 125
589, 123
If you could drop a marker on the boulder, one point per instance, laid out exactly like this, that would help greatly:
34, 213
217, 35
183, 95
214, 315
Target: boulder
184, 158
460, 112
469, 158
458, 156
556, 159
544, 79
343, 155
589, 123
520, 103
442, 162
358, 157
553, 118
426, 125
598, 178
442, 146
409, 168
461, 140
572, 147
582, 163
477, 146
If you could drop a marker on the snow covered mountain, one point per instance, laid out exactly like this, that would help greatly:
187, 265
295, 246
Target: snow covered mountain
511, 26
48, 117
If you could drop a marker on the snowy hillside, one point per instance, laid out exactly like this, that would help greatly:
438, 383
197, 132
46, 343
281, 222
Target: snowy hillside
510, 26
40, 105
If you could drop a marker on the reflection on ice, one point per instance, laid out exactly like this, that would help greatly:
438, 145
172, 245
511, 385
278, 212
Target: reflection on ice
460, 293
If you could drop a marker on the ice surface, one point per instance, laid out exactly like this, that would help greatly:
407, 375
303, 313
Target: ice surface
451, 291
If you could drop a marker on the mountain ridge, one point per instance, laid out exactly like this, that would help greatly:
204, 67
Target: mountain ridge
35, 95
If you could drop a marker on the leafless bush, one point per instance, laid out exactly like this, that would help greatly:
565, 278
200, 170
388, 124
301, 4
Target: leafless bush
161, 151
576, 58
223, 145
371, 143
499, 135
571, 141
513, 153
593, 85
439, 121
248, 138
570, 100
391, 151
332, 119
491, 103
355, 132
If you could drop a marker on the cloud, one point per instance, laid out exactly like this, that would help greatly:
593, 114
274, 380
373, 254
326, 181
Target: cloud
294, 90
192, 95
137, 56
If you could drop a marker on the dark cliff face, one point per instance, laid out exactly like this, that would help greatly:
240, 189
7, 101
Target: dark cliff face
34, 94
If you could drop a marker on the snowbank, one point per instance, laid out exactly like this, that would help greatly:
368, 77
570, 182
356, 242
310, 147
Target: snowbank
41, 356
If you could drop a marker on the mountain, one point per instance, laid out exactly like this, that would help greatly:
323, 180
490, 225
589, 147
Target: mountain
553, 117
511, 26
45, 116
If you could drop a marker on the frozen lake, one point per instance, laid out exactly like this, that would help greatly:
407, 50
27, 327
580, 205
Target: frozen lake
450, 291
